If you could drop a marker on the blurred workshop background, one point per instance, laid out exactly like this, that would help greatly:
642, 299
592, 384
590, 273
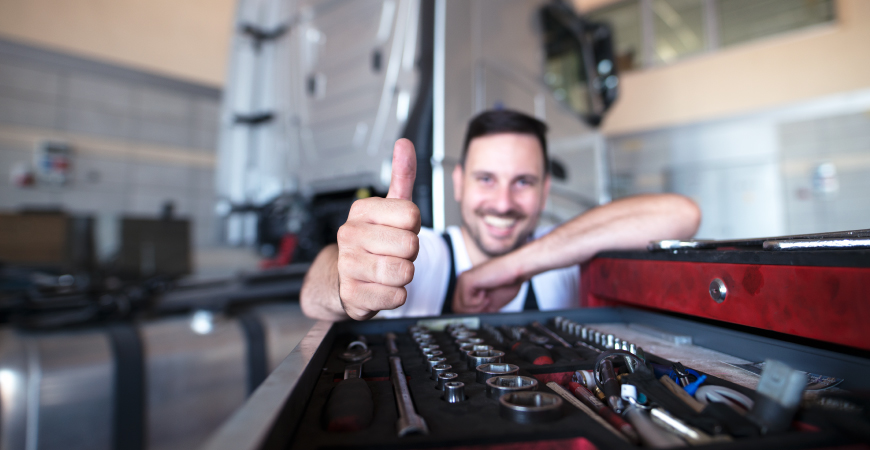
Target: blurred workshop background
170, 168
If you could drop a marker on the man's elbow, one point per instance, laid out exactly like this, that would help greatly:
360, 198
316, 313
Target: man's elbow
687, 216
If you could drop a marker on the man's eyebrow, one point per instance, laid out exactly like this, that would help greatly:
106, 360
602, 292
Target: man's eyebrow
478, 173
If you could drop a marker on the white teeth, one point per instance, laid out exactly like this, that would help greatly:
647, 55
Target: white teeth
499, 222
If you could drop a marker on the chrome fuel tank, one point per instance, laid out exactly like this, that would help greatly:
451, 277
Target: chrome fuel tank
157, 384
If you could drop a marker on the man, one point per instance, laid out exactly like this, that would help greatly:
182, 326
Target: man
384, 262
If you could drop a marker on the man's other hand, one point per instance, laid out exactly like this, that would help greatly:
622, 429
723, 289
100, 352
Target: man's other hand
378, 243
486, 287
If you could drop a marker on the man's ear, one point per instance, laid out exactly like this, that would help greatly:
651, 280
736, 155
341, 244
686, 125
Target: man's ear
546, 194
457, 182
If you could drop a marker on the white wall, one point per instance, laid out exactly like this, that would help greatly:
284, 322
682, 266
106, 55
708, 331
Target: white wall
778, 71
186, 39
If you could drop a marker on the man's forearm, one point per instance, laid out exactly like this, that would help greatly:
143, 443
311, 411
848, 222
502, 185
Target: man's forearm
319, 297
624, 224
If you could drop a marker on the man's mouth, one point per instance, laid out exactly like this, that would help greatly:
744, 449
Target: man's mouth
503, 223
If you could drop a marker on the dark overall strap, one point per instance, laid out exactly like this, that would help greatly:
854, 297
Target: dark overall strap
451, 285
531, 303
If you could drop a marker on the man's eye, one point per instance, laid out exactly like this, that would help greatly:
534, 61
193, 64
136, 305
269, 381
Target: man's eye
484, 179
524, 182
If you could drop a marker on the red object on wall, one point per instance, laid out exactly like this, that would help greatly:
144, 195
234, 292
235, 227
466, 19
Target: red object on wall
830, 304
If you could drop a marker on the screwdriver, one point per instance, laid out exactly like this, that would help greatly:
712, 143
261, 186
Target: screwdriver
350, 406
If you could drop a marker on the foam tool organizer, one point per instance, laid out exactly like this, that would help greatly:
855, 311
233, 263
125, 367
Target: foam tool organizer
597, 378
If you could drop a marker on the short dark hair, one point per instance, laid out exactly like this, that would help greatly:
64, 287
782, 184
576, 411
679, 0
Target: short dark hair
505, 121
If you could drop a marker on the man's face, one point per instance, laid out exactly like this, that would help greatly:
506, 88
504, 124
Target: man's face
501, 190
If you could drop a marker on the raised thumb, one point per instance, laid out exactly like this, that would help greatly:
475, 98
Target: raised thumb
404, 170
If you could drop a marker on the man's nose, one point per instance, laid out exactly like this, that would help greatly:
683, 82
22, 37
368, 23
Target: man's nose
504, 200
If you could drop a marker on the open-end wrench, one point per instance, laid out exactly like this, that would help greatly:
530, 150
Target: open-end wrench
549, 333
409, 421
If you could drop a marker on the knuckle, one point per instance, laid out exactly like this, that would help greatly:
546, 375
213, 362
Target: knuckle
410, 216
355, 209
343, 234
411, 244
345, 262
400, 295
347, 292
407, 271
414, 214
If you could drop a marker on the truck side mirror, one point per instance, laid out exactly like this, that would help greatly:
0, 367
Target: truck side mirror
580, 68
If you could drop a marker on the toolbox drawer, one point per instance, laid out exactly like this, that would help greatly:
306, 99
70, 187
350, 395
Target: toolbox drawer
819, 295
287, 410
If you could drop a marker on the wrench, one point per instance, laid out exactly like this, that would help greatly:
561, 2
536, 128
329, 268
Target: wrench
552, 335
409, 421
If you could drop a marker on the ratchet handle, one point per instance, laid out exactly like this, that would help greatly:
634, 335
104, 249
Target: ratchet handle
350, 406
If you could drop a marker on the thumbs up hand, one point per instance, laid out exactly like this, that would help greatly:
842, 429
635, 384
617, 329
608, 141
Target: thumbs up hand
378, 243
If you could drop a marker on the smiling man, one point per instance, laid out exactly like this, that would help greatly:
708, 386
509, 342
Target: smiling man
499, 259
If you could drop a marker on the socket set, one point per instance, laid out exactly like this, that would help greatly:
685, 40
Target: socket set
535, 378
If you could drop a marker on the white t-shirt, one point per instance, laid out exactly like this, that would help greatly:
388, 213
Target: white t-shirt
555, 289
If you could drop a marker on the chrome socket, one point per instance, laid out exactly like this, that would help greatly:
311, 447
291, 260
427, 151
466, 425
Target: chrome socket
476, 358
465, 348
506, 384
434, 361
429, 348
454, 392
443, 378
472, 341
487, 371
432, 354
439, 369
530, 407
464, 334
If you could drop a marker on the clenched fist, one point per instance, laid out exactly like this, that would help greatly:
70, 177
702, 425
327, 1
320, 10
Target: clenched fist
378, 244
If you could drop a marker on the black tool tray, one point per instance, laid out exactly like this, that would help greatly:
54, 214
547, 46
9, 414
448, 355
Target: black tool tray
286, 412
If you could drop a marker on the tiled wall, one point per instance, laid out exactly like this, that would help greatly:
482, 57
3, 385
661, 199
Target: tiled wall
842, 142
137, 139
752, 175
